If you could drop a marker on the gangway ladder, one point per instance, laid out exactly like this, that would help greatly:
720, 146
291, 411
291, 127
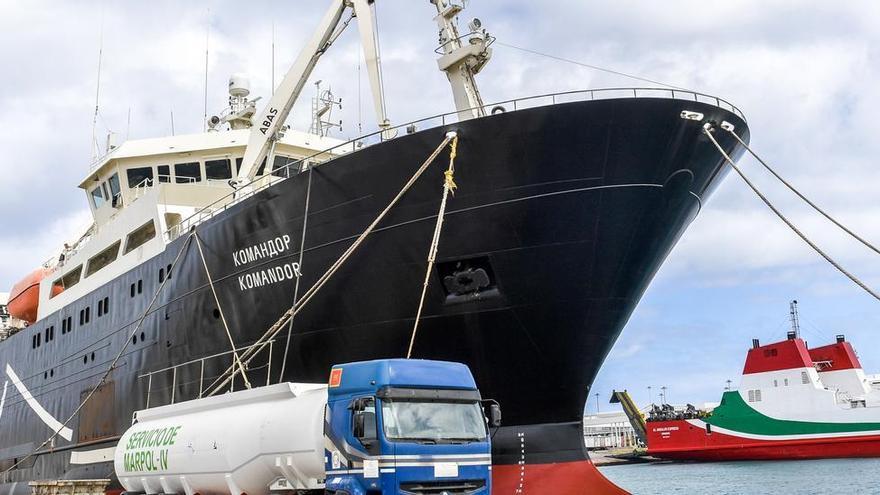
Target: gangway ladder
635, 416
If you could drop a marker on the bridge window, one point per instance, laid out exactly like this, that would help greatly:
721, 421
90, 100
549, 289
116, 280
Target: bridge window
164, 173
140, 236
218, 169
260, 170
140, 176
113, 182
805, 378
98, 197
186, 173
103, 259
281, 166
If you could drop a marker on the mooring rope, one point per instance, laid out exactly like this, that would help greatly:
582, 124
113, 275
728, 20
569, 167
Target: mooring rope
800, 195
221, 381
112, 363
302, 249
235, 356
707, 130
448, 187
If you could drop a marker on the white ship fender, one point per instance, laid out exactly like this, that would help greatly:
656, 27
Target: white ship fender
237, 443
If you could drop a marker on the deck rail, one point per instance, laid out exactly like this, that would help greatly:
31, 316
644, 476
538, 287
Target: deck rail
201, 362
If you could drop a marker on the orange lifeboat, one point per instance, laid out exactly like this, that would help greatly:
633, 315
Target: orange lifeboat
24, 298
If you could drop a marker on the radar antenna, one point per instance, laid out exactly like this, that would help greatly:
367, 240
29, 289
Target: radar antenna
240, 110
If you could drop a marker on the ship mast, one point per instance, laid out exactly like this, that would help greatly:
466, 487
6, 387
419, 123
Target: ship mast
462, 61
795, 321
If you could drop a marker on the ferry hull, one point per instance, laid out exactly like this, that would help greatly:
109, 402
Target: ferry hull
562, 216
690, 442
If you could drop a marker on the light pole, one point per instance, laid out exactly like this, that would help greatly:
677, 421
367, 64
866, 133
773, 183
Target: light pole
728, 386
597, 403
663, 394
650, 395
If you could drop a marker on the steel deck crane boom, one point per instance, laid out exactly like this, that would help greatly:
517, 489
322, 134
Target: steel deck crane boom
268, 123
461, 62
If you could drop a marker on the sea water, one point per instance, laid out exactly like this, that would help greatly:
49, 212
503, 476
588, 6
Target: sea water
830, 476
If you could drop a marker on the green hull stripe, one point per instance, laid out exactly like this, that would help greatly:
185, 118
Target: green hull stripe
734, 414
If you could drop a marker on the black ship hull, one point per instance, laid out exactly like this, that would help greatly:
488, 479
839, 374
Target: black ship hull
562, 216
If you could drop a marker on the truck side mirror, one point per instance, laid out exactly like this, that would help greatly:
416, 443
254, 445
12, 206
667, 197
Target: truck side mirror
365, 427
494, 415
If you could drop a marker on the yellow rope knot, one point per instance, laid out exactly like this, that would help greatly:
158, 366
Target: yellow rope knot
450, 181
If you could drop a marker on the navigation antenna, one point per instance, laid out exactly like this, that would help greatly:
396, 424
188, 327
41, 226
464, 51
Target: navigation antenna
322, 108
94, 144
795, 321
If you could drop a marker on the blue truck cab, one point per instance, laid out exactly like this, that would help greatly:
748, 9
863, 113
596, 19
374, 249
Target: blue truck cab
407, 426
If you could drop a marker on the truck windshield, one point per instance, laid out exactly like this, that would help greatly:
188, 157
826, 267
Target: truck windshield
433, 421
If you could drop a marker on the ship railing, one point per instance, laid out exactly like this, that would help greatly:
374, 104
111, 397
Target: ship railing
141, 188
294, 167
203, 380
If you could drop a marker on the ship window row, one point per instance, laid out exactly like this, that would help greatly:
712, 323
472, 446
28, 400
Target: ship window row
133, 240
47, 335
183, 173
805, 378
48, 374
137, 288
776, 382
755, 395
217, 169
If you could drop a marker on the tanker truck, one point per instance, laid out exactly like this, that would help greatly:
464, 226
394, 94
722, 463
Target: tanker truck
385, 426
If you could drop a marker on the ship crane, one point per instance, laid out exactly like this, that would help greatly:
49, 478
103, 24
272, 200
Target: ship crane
461, 61
268, 124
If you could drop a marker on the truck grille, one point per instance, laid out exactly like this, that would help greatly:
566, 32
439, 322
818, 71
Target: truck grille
457, 487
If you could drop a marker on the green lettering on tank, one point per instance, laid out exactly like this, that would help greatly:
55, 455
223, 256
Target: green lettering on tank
147, 450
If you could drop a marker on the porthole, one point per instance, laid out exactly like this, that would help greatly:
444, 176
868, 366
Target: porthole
216, 313
85, 359
51, 373
142, 336
93, 357
134, 339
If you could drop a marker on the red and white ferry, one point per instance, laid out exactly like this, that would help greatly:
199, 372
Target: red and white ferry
794, 402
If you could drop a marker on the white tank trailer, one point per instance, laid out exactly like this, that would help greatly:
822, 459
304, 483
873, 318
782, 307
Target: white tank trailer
237, 443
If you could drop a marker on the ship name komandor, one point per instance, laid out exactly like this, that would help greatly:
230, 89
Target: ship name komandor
148, 450
265, 250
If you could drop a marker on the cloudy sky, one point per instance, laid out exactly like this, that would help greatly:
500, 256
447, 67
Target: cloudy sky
805, 73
